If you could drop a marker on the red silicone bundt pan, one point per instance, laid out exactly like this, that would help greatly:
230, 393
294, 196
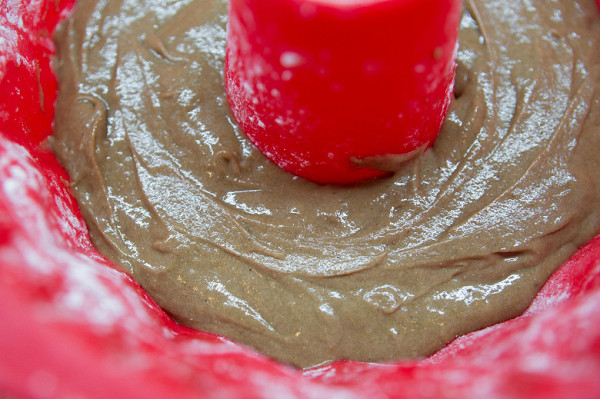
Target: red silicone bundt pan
71, 326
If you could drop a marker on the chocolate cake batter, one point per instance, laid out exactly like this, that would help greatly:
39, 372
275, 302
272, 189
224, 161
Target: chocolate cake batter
459, 238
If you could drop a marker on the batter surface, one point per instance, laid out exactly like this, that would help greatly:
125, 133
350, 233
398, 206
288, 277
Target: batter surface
460, 238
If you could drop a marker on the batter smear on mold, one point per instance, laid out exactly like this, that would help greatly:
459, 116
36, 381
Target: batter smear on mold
460, 238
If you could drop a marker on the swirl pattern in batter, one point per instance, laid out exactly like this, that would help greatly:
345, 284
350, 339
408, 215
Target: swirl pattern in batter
459, 238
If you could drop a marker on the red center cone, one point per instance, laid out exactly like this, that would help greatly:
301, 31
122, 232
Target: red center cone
320, 86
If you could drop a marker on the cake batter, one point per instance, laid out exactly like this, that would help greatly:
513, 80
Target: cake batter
458, 239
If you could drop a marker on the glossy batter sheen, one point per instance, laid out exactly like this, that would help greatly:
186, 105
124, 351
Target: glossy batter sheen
460, 238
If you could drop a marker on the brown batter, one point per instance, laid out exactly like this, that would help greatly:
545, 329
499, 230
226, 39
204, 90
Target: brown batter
460, 238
